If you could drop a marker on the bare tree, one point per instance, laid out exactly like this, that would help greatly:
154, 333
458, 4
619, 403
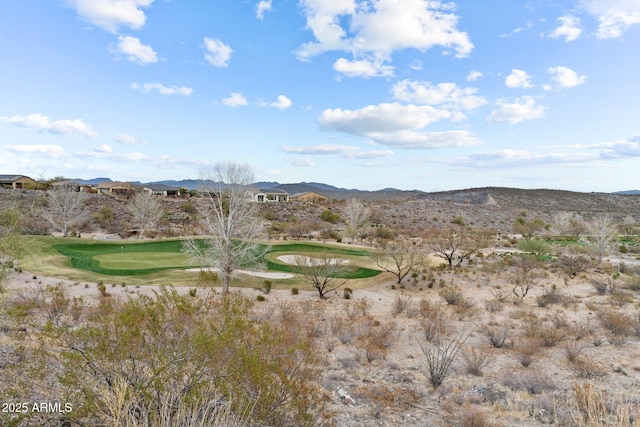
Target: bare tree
65, 204
457, 244
324, 271
524, 279
356, 214
562, 222
397, 258
146, 211
229, 221
602, 230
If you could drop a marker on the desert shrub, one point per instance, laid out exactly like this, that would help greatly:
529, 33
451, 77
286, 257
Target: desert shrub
546, 334
438, 358
260, 298
169, 359
533, 382
586, 368
549, 297
400, 304
102, 288
619, 298
452, 295
294, 291
384, 335
104, 216
497, 335
328, 215
346, 293
207, 277
475, 361
525, 351
266, 286
193, 292
572, 350
618, 323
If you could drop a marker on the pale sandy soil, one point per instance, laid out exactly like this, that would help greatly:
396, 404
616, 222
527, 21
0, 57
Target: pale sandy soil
391, 388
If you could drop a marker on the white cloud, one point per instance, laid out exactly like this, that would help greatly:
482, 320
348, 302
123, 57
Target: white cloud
522, 109
518, 79
126, 139
362, 68
40, 122
134, 50
162, 89
346, 151
411, 140
377, 29
262, 7
614, 16
302, 162
282, 103
566, 77
448, 95
104, 148
235, 99
218, 53
387, 117
570, 28
111, 14
50, 151
397, 125
474, 75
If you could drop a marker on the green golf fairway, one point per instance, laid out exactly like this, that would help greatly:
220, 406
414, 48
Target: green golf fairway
142, 260
133, 259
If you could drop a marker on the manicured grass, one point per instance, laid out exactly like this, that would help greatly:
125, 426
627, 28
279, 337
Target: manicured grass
145, 258
126, 259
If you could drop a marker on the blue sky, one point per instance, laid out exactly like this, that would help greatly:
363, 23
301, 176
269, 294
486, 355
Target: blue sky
412, 94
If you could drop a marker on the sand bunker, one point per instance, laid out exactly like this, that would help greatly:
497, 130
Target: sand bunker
292, 259
264, 274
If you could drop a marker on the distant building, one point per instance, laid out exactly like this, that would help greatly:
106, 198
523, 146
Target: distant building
16, 182
161, 190
269, 195
117, 188
310, 196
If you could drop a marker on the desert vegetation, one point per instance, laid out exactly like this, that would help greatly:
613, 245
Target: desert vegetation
440, 311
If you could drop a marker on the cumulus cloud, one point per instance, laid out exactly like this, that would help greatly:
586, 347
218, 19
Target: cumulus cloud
112, 14
134, 50
162, 89
282, 103
362, 68
104, 148
518, 79
411, 140
302, 162
614, 16
566, 77
448, 95
262, 7
347, 151
570, 28
377, 29
217, 52
524, 108
397, 125
50, 151
235, 99
474, 75
387, 117
126, 139
41, 122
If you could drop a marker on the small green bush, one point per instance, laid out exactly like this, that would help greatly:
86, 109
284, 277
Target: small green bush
266, 288
192, 292
294, 291
260, 298
347, 292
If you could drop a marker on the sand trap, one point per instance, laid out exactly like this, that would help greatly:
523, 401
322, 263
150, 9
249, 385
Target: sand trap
264, 274
291, 259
